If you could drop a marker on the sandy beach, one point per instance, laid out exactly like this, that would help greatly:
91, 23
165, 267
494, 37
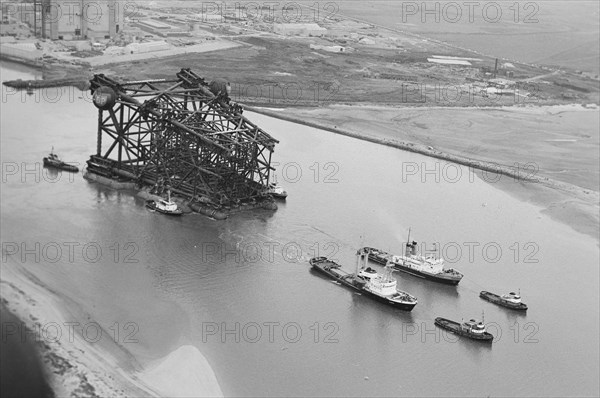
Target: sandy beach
76, 363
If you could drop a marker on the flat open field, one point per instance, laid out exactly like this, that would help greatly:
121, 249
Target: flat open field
287, 72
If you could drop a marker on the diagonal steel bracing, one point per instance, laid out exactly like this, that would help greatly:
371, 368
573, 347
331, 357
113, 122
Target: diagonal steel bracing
179, 132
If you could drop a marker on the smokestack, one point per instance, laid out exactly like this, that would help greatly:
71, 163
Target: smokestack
496, 68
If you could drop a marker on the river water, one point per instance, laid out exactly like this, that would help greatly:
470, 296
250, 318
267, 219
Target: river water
242, 292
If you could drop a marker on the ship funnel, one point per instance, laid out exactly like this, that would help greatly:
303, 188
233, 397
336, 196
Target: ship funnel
411, 248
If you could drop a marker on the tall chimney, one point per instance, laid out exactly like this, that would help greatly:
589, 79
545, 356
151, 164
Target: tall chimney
496, 69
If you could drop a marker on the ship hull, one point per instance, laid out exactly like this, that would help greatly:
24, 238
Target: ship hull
455, 328
381, 259
60, 165
496, 299
319, 264
278, 195
399, 305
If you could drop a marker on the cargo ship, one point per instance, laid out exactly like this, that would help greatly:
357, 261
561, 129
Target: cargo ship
412, 263
367, 281
471, 328
510, 300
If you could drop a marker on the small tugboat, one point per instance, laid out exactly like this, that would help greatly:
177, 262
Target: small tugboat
165, 206
53, 161
412, 263
510, 300
381, 287
472, 329
276, 191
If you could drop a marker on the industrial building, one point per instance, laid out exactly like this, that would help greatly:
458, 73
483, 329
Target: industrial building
70, 19
159, 28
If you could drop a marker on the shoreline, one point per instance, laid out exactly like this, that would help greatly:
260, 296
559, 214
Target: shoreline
73, 364
562, 201
424, 150
74, 367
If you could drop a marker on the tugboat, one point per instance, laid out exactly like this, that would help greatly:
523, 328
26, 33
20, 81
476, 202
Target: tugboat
412, 263
276, 191
165, 206
510, 300
53, 161
381, 287
471, 328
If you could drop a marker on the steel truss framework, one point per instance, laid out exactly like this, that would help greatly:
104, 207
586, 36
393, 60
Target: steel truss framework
178, 132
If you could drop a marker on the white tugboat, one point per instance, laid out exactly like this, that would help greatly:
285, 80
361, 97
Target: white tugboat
276, 191
165, 206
